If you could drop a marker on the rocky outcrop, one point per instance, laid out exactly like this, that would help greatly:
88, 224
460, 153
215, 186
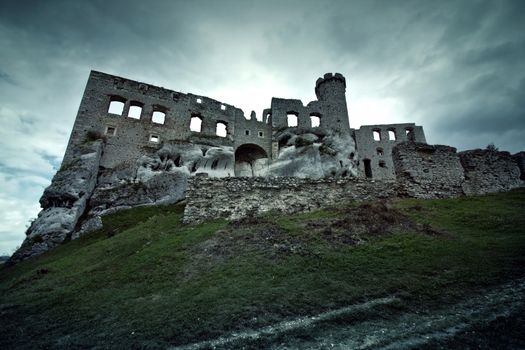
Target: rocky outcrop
63, 202
313, 153
489, 171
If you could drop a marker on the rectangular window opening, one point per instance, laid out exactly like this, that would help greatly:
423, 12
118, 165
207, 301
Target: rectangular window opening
158, 117
195, 124
111, 130
116, 107
221, 129
292, 120
391, 135
134, 112
154, 138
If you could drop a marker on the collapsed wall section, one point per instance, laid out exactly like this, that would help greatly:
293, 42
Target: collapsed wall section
233, 198
489, 171
428, 171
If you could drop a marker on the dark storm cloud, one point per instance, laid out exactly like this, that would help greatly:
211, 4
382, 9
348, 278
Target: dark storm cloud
455, 67
458, 66
6, 78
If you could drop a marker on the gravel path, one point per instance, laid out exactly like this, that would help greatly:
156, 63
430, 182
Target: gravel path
406, 331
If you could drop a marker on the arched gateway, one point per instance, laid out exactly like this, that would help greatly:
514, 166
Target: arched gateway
250, 160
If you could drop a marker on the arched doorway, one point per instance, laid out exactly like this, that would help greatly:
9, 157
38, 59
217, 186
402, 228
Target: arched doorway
250, 160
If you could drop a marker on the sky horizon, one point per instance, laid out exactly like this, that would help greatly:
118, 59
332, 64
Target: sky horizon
455, 68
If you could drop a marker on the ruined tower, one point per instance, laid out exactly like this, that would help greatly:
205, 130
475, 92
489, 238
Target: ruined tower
331, 102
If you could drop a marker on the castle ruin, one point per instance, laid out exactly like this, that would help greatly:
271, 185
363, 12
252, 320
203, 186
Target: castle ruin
137, 144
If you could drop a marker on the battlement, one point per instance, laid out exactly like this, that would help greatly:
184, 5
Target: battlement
329, 77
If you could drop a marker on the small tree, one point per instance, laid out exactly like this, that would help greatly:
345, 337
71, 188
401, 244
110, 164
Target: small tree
491, 147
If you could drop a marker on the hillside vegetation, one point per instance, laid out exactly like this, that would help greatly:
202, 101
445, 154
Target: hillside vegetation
147, 281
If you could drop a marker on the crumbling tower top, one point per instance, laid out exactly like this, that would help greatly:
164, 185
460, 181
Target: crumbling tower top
330, 86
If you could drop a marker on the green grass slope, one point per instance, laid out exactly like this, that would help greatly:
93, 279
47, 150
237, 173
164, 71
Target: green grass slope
147, 281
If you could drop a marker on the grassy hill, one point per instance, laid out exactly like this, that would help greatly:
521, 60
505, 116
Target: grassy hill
147, 281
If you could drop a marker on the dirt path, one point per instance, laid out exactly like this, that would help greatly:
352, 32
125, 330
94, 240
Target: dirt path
406, 331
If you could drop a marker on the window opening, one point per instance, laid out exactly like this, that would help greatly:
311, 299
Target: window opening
135, 111
391, 135
292, 119
382, 164
154, 138
195, 124
223, 107
377, 135
368, 168
380, 152
261, 134
410, 134
247, 132
116, 107
158, 117
315, 121
111, 130
221, 130
199, 100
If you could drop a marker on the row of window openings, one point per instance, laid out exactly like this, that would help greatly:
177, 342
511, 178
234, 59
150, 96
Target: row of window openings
392, 135
220, 129
293, 120
117, 107
195, 125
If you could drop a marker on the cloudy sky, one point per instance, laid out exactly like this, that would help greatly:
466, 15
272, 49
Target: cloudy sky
455, 67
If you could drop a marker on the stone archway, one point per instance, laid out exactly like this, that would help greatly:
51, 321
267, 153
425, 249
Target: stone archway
250, 160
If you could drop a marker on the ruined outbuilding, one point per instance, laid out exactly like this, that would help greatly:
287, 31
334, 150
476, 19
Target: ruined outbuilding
137, 144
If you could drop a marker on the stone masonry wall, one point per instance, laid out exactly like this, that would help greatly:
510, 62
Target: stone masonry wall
428, 171
489, 171
236, 197
379, 152
520, 160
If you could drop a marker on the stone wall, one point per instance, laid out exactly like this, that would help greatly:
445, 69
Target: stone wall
489, 171
520, 161
233, 198
378, 153
128, 138
330, 106
428, 171
435, 171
